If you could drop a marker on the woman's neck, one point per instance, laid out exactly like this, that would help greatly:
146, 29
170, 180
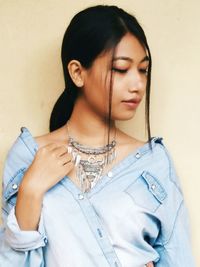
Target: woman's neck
87, 127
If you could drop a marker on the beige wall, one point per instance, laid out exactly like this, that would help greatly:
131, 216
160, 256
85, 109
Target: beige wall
31, 77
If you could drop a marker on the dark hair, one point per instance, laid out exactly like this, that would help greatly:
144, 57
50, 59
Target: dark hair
92, 31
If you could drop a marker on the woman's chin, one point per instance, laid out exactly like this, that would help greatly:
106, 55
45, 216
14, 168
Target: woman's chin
124, 117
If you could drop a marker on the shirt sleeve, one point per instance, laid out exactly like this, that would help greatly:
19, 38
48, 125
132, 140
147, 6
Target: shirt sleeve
23, 240
18, 247
177, 250
22, 248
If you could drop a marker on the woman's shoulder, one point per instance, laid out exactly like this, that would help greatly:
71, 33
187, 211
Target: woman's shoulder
24, 147
158, 159
56, 136
128, 141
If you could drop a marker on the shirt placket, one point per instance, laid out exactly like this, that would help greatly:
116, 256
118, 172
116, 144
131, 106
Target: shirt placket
98, 230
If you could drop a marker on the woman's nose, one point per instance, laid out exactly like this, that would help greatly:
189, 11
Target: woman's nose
136, 83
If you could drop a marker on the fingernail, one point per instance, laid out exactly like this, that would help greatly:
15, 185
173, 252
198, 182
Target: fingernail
69, 149
77, 160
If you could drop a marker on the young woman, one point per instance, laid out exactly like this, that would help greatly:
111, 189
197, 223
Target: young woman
86, 194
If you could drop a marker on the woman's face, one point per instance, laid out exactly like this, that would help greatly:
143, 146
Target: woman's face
129, 80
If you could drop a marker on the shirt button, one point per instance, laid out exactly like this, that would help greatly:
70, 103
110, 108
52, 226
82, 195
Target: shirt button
110, 174
153, 186
80, 196
99, 232
14, 186
138, 155
45, 240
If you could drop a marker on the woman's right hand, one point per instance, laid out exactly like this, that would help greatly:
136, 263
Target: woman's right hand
51, 163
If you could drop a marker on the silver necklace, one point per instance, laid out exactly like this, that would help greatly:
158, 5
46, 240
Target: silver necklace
90, 162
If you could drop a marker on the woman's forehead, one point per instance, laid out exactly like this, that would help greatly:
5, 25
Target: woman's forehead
130, 48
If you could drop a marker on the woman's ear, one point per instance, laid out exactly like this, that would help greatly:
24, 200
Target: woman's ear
76, 72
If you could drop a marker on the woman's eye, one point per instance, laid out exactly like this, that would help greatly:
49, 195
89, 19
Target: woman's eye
120, 70
145, 71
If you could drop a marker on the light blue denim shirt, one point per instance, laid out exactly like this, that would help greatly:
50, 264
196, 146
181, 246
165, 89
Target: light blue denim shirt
135, 214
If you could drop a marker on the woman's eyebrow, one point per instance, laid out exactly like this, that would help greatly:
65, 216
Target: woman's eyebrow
146, 58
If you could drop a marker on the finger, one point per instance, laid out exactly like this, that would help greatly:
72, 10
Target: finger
66, 158
51, 146
59, 151
67, 162
68, 167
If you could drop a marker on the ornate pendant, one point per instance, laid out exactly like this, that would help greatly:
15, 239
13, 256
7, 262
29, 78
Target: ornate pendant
89, 170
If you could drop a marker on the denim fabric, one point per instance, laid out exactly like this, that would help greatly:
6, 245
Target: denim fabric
135, 214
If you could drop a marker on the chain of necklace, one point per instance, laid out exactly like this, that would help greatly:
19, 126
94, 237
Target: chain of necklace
90, 162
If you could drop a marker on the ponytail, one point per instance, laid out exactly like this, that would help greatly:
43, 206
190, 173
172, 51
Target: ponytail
62, 109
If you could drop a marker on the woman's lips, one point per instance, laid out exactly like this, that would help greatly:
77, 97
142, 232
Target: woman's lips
131, 103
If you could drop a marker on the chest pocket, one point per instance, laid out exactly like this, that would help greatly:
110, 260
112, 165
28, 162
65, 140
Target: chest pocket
10, 193
147, 192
